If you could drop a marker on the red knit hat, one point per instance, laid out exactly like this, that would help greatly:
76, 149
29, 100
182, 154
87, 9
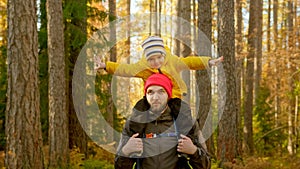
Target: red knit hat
159, 80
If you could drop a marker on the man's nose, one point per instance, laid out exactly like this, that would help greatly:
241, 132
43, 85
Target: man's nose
155, 96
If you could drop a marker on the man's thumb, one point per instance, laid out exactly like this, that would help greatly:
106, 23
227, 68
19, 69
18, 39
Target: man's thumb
135, 135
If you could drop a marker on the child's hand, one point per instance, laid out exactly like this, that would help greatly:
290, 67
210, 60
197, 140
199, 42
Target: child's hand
215, 62
98, 63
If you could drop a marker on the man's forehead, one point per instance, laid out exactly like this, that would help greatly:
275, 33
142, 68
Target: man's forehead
155, 88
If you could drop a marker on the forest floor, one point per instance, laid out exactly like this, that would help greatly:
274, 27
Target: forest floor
101, 159
256, 162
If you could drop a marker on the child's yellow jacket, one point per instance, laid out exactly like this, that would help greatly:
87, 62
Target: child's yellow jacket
172, 67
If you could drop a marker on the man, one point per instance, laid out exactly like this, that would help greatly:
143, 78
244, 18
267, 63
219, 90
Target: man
160, 136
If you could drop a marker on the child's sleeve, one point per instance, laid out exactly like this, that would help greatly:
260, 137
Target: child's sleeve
120, 69
111, 67
196, 62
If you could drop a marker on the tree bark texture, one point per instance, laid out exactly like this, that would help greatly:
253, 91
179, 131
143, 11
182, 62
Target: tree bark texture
249, 83
203, 76
23, 126
227, 138
58, 119
258, 55
239, 67
184, 9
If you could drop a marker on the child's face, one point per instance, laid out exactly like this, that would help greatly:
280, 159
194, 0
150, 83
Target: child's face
156, 61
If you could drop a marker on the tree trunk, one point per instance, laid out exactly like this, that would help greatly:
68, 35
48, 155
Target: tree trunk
268, 58
239, 67
203, 76
269, 27
154, 18
291, 131
277, 106
75, 30
58, 119
177, 29
111, 110
184, 14
252, 47
258, 55
228, 130
296, 40
23, 127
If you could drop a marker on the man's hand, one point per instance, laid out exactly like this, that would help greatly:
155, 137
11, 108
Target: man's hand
98, 63
215, 62
134, 145
185, 145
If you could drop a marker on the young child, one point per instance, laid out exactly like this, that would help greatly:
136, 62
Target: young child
158, 59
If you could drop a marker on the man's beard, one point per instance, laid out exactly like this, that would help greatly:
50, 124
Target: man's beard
158, 109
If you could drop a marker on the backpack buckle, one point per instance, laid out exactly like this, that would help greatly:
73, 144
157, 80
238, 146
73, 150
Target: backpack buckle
151, 135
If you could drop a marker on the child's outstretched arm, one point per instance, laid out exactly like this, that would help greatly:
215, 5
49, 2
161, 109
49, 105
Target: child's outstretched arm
121, 69
215, 62
198, 62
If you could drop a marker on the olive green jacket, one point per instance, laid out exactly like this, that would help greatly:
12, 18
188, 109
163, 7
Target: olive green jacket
161, 152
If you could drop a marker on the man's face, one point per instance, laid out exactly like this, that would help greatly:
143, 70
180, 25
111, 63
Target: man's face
157, 97
156, 61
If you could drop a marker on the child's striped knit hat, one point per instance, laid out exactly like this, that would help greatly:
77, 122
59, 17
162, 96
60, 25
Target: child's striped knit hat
153, 45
